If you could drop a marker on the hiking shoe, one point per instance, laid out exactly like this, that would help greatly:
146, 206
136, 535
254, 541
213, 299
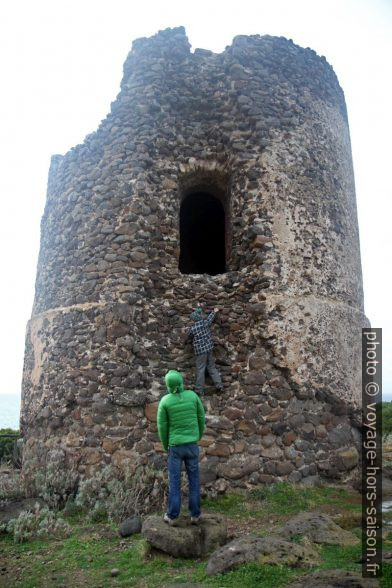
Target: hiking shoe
220, 388
169, 521
195, 520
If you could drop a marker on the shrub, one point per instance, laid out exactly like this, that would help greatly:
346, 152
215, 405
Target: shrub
39, 524
93, 492
118, 496
8, 439
11, 487
55, 485
53, 482
385, 408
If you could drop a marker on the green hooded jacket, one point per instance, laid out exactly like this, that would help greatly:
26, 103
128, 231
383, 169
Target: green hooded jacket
181, 416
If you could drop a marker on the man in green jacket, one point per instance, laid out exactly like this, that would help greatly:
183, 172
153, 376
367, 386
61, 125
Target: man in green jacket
181, 422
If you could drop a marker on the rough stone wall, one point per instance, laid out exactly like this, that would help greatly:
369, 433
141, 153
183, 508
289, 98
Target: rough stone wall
263, 124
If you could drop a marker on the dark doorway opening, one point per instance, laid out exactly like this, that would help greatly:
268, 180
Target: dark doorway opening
202, 235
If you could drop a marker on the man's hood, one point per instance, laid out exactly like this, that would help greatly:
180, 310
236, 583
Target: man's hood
174, 382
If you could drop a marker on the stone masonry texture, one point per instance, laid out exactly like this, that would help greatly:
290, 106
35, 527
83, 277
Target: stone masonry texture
262, 129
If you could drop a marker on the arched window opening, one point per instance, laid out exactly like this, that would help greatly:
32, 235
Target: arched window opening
202, 235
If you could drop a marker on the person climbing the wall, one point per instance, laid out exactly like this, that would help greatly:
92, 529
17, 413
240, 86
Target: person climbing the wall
181, 422
203, 344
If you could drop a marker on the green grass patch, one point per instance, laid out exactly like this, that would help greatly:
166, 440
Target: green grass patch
87, 557
337, 556
154, 570
280, 498
229, 504
285, 498
251, 575
386, 580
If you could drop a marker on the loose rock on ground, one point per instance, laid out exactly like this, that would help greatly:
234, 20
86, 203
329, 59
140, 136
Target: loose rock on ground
130, 526
271, 550
318, 527
335, 579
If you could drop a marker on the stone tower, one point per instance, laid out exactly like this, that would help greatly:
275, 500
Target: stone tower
224, 179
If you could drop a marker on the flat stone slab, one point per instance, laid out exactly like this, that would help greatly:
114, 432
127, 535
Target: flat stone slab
319, 528
271, 550
186, 540
335, 579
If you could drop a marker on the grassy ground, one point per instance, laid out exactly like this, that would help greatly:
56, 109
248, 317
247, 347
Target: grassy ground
87, 557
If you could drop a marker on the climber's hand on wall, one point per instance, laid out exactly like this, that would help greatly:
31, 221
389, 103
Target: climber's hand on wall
216, 310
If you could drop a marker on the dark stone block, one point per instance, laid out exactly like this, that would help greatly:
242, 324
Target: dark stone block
130, 526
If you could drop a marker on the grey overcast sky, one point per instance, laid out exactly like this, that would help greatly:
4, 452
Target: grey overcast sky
61, 66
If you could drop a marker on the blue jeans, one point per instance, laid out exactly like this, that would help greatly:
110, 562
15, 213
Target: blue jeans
188, 453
